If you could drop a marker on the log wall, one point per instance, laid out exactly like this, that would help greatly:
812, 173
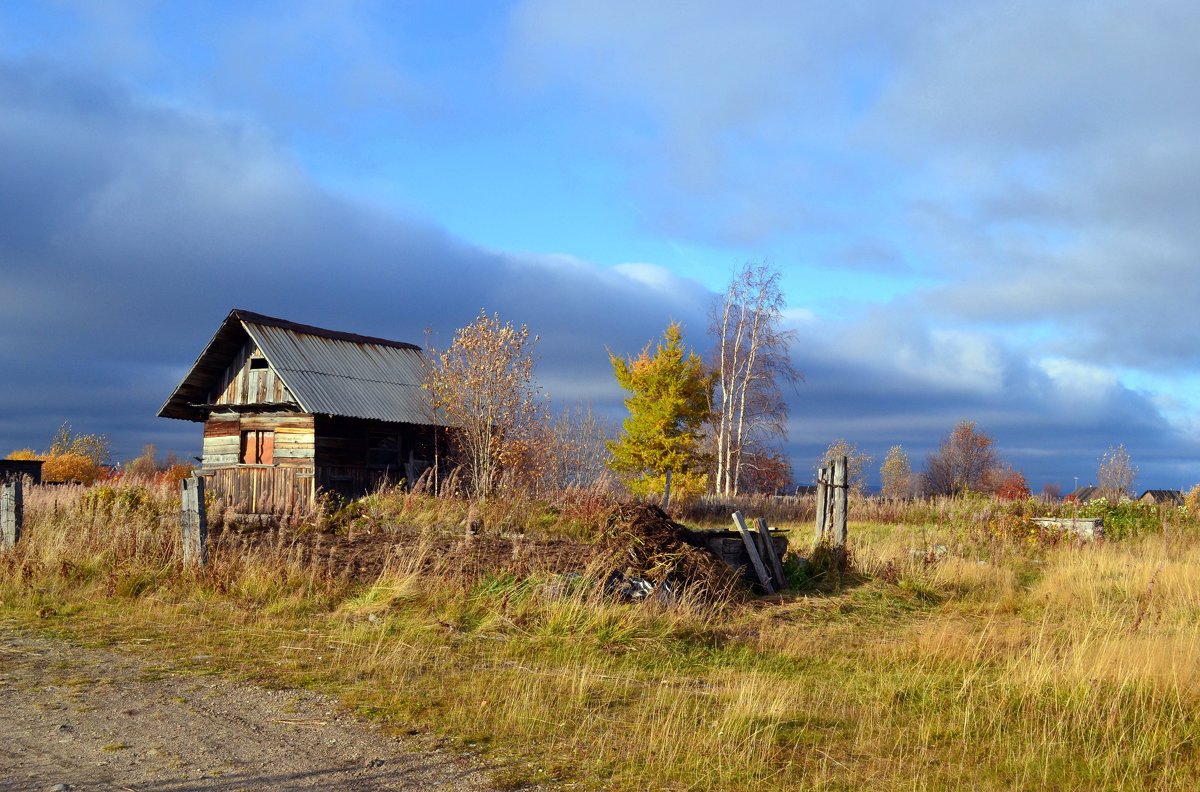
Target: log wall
286, 485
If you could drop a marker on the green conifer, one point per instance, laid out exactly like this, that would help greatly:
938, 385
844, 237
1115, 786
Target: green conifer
670, 403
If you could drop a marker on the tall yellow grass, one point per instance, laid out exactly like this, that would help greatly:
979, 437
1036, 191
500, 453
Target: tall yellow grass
950, 658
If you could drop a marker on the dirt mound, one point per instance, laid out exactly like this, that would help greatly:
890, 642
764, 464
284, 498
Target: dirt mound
641, 542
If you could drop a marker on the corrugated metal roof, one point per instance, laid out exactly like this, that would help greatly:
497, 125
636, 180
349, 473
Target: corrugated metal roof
332, 376
328, 372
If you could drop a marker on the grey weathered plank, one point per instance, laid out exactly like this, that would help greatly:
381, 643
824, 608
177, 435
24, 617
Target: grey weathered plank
293, 453
193, 522
12, 513
752, 551
839, 502
822, 485
772, 556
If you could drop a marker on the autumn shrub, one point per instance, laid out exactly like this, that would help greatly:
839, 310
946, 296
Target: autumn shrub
72, 457
1020, 529
69, 466
59, 468
104, 500
177, 473
1012, 487
1191, 501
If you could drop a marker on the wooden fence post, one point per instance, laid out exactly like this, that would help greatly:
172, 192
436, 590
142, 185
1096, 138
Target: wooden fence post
839, 502
194, 522
667, 491
752, 551
822, 483
12, 513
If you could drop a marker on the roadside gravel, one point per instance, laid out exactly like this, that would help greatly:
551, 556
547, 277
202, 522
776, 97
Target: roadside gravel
79, 718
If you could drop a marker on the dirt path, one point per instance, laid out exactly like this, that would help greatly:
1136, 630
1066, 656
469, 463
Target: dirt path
90, 719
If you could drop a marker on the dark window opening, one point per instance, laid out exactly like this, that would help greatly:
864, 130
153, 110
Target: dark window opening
258, 447
258, 363
383, 451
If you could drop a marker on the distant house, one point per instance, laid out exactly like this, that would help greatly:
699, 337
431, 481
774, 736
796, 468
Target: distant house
1168, 497
291, 410
1084, 494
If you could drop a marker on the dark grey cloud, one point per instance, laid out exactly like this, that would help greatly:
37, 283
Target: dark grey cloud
129, 229
885, 381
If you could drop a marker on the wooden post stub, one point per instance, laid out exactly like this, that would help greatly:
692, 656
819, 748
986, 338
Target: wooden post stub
12, 513
822, 483
667, 492
772, 556
839, 502
194, 522
752, 551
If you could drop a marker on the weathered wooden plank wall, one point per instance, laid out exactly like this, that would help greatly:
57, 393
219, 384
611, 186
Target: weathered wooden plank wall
242, 383
254, 489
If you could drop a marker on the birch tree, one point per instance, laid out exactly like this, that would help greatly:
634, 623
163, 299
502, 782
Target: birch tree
896, 474
1116, 473
751, 362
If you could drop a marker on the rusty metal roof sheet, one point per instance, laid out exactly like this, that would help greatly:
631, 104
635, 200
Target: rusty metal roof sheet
327, 372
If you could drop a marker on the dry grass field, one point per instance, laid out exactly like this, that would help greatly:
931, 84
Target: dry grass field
962, 649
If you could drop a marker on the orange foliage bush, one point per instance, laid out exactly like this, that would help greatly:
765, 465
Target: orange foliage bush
177, 473
1012, 487
69, 467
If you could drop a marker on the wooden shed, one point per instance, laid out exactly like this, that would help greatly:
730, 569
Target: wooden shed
17, 469
291, 410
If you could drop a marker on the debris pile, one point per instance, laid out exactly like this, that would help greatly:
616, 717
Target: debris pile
643, 553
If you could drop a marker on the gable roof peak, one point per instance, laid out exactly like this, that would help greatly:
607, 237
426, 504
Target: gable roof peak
328, 372
251, 317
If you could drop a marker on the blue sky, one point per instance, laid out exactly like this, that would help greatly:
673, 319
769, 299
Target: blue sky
982, 210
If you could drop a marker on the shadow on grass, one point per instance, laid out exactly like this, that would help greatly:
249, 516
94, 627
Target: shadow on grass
826, 570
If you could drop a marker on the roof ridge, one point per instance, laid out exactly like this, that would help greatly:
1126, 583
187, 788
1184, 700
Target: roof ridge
321, 332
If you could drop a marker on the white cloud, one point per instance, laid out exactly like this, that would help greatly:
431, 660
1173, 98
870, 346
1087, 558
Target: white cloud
1079, 385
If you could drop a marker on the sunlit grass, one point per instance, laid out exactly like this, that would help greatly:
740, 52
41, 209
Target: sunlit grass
947, 658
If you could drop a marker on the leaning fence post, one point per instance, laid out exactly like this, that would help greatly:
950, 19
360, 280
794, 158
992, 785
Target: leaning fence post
769, 547
839, 502
12, 513
195, 524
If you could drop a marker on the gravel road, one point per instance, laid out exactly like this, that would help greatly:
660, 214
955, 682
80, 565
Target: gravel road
76, 718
